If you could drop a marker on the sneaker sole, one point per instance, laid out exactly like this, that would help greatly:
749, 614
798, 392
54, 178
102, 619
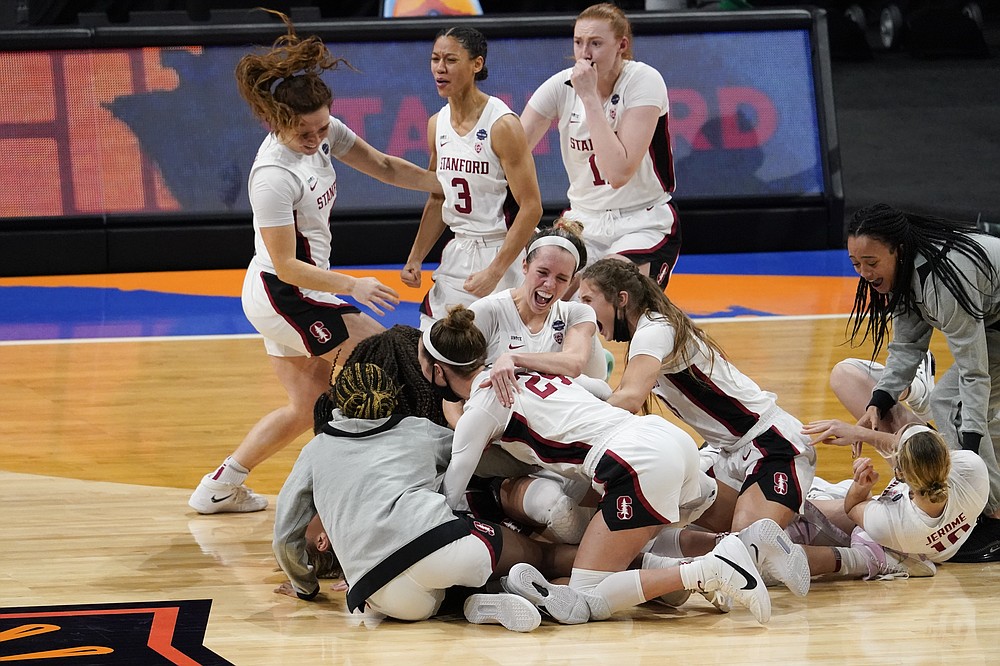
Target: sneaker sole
560, 602
788, 562
508, 610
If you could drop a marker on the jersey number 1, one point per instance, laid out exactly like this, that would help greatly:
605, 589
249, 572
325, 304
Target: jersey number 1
597, 174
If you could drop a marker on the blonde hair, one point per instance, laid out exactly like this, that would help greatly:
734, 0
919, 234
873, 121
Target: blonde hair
284, 83
364, 391
924, 463
620, 25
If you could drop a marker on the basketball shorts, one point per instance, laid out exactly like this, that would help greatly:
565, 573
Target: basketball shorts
649, 474
294, 321
645, 235
463, 256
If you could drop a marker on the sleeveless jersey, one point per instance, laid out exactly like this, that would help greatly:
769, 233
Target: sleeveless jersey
475, 186
710, 394
637, 85
498, 319
288, 187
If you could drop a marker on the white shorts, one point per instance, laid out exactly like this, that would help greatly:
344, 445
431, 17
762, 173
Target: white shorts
417, 593
649, 474
779, 459
644, 235
293, 321
463, 256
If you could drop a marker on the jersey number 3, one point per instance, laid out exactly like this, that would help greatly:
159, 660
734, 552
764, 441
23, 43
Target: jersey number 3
463, 202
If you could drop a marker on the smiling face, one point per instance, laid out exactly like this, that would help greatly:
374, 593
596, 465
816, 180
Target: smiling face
874, 261
453, 68
604, 308
595, 40
546, 277
309, 133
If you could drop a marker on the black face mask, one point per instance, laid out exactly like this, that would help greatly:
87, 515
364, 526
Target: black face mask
621, 332
445, 392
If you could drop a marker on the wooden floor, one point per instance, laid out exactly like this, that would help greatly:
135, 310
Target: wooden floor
101, 443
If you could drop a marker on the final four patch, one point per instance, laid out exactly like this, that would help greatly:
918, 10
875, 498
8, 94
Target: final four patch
147, 633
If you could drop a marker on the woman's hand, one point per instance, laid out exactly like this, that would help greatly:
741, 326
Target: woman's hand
482, 283
503, 379
865, 475
832, 431
410, 275
375, 295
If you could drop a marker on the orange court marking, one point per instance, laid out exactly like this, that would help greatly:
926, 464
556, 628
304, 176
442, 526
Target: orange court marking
698, 295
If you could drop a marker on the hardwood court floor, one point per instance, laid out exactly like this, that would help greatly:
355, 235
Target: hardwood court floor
101, 443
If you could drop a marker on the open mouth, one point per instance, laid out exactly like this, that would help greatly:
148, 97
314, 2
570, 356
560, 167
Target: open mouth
542, 299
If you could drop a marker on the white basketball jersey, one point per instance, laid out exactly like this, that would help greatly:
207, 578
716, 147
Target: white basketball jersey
894, 521
709, 394
305, 188
498, 319
475, 186
637, 85
566, 421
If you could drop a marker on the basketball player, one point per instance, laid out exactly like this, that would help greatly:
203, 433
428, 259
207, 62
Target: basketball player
764, 464
612, 115
645, 469
289, 295
367, 489
478, 151
923, 517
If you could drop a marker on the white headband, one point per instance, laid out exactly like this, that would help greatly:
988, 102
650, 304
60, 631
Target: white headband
429, 346
558, 241
912, 430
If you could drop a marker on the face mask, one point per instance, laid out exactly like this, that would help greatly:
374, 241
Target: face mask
621, 332
445, 392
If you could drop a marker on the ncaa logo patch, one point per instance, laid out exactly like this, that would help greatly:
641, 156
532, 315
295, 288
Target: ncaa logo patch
481, 134
624, 505
781, 483
615, 98
319, 331
484, 528
558, 325
326, 148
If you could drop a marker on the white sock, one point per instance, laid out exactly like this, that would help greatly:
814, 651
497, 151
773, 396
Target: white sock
852, 563
231, 471
619, 590
693, 574
651, 561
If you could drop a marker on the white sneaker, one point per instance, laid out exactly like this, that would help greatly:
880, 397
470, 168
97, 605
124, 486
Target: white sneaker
881, 565
776, 556
509, 610
722, 602
822, 489
560, 602
919, 397
215, 497
730, 569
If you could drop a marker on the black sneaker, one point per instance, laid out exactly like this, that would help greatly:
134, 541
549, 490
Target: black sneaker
983, 545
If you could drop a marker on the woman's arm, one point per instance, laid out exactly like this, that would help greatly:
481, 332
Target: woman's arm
280, 244
473, 433
389, 168
431, 221
511, 148
860, 492
569, 361
637, 381
535, 125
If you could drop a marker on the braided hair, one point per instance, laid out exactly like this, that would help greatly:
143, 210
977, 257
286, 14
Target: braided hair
364, 391
907, 235
472, 41
395, 352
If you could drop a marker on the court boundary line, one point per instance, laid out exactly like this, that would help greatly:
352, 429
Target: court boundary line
248, 336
